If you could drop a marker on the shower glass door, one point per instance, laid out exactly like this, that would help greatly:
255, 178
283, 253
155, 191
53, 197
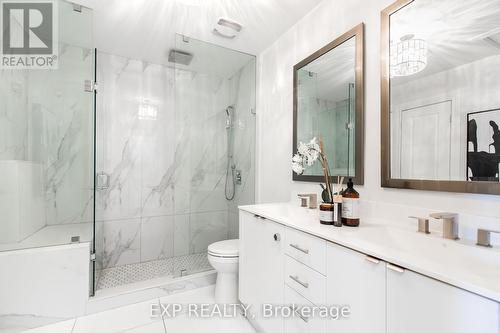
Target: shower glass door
214, 157
175, 157
134, 180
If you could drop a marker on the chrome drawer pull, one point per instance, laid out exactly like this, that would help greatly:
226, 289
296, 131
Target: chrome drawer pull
296, 311
296, 247
296, 279
395, 268
372, 260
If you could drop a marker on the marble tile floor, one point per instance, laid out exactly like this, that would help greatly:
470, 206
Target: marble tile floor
136, 318
132, 273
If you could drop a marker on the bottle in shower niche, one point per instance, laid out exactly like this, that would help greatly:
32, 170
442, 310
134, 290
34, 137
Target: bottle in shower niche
350, 206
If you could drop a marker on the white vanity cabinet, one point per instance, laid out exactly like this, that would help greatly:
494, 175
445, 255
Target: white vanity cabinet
261, 268
416, 304
358, 281
281, 265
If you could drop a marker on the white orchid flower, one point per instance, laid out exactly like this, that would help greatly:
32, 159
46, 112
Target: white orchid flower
298, 164
303, 149
307, 155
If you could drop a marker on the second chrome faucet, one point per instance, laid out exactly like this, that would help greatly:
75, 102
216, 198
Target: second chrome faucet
450, 224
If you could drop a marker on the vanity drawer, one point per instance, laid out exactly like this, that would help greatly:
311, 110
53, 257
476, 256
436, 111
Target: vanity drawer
297, 323
305, 281
307, 249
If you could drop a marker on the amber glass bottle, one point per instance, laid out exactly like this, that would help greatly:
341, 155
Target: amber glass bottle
326, 213
350, 206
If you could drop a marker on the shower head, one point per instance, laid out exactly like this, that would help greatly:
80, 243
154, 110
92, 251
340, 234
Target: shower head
180, 57
229, 110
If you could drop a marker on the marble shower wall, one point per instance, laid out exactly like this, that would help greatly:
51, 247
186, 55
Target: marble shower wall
243, 98
46, 121
133, 155
64, 139
162, 146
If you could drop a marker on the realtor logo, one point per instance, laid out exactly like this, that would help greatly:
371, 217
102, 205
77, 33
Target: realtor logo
29, 34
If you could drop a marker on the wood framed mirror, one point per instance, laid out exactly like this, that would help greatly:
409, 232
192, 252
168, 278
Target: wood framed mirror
440, 107
328, 102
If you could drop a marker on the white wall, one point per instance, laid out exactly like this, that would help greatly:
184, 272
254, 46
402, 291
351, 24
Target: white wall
274, 137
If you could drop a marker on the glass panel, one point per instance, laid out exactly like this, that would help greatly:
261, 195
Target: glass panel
46, 146
134, 189
215, 147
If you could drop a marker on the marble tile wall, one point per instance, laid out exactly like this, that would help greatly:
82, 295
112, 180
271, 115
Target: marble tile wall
13, 115
62, 135
162, 144
243, 87
46, 121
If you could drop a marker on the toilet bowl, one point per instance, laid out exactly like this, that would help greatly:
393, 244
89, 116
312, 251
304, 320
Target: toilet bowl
224, 258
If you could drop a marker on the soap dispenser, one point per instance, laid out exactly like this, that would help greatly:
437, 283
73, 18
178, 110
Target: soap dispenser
350, 205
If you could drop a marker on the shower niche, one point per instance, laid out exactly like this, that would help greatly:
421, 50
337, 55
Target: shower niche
175, 155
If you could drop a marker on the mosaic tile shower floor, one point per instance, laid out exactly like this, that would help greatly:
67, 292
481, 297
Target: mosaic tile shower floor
173, 267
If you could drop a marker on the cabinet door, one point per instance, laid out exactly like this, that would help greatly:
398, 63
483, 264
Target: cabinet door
357, 281
261, 268
417, 304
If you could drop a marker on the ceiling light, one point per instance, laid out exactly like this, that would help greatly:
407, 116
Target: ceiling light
408, 56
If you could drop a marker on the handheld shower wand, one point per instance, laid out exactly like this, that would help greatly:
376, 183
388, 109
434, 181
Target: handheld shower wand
230, 167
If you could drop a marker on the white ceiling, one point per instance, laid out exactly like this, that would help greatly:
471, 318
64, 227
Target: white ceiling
145, 29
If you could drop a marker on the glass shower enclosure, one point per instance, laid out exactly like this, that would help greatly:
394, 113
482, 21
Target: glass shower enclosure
150, 169
175, 157
46, 142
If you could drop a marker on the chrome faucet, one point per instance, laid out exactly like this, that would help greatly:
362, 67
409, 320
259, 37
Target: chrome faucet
484, 237
450, 224
423, 224
313, 200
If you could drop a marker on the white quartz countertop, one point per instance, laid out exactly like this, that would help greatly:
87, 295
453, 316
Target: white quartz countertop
457, 263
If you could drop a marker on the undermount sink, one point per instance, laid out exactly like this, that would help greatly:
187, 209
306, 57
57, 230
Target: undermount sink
483, 262
397, 245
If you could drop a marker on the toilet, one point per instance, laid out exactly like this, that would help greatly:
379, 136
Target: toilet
224, 258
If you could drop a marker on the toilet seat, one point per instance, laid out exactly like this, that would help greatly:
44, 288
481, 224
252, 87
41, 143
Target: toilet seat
224, 249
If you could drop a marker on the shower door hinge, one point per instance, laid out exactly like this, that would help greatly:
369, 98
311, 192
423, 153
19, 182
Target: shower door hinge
77, 8
92, 257
90, 86
102, 181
